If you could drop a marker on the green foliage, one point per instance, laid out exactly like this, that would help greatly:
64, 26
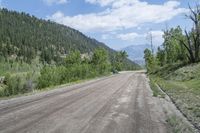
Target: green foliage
182, 84
178, 47
75, 69
150, 60
29, 44
73, 58
178, 70
156, 91
192, 44
185, 73
14, 86
100, 61
118, 62
186, 97
177, 125
173, 50
19, 67
100, 56
24, 37
17, 84
51, 76
161, 57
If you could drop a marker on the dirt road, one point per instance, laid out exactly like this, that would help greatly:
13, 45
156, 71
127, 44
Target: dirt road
118, 104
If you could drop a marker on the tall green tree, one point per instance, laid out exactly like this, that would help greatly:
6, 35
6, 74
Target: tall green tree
100, 60
118, 60
161, 56
73, 58
173, 49
149, 60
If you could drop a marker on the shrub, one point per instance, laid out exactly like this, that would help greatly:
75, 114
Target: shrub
14, 86
17, 84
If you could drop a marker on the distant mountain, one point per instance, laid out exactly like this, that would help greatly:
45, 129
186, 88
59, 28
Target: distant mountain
136, 53
25, 37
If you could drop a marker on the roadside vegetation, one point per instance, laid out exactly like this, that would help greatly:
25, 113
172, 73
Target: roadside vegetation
177, 125
175, 67
184, 91
155, 88
74, 68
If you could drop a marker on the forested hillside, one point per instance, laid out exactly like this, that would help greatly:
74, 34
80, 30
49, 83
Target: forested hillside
24, 37
36, 54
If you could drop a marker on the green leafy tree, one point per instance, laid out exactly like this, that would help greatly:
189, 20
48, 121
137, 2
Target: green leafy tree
119, 60
100, 60
173, 49
191, 43
73, 58
161, 57
150, 60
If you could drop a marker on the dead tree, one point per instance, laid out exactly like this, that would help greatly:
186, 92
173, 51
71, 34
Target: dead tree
193, 41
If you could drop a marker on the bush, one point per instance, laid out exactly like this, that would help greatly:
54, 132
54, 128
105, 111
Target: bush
17, 84
75, 69
14, 86
52, 75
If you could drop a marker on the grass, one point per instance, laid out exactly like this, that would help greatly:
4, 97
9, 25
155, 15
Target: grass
156, 91
176, 125
186, 96
186, 73
175, 89
182, 84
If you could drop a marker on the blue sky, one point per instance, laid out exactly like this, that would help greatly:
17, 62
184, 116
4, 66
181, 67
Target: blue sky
117, 23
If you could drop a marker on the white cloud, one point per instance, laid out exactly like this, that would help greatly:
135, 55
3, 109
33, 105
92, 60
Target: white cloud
101, 2
51, 2
157, 33
105, 36
113, 3
129, 36
157, 36
110, 35
120, 14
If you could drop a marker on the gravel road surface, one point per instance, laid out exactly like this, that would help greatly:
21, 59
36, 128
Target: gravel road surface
122, 103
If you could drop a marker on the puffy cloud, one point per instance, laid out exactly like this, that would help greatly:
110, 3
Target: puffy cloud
129, 36
51, 2
106, 36
157, 36
113, 3
101, 2
110, 35
120, 14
